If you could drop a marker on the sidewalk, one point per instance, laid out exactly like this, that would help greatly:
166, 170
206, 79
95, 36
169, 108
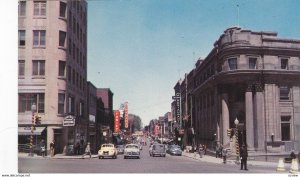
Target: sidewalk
212, 159
57, 156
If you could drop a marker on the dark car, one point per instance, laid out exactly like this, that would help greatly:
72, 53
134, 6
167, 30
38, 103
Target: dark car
174, 150
120, 149
157, 150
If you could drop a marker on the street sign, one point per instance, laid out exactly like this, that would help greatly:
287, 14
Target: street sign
69, 121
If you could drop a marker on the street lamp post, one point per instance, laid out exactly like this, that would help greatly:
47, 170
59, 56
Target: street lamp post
236, 122
33, 109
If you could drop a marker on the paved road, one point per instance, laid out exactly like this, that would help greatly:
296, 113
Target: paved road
146, 164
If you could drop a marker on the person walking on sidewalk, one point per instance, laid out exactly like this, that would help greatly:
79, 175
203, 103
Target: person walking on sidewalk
244, 156
43, 147
52, 148
87, 150
201, 150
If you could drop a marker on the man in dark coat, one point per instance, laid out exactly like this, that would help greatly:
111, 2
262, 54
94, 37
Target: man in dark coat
244, 156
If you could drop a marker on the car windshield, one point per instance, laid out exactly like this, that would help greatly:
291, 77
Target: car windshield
132, 146
120, 146
158, 146
107, 145
175, 147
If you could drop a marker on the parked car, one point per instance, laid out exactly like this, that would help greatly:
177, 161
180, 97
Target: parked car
107, 150
157, 150
120, 149
132, 150
174, 150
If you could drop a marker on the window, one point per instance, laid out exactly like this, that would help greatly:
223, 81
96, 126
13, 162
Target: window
285, 128
70, 47
61, 103
38, 67
61, 68
39, 37
74, 50
73, 77
71, 103
62, 38
27, 99
21, 67
284, 63
62, 10
69, 74
81, 109
252, 63
284, 93
39, 8
232, 62
70, 19
22, 38
74, 25
22, 8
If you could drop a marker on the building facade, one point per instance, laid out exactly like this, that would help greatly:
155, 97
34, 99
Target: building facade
252, 77
52, 65
105, 114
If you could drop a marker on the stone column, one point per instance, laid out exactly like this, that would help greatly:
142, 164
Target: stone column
249, 118
225, 118
260, 118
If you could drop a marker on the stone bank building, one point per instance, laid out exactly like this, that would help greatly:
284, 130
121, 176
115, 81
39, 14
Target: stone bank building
250, 76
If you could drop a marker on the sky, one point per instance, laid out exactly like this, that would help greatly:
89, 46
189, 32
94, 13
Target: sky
141, 48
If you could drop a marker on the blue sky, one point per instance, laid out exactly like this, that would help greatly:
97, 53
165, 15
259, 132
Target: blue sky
141, 48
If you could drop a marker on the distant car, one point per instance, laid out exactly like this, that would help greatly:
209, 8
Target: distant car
174, 150
107, 150
157, 150
132, 150
120, 149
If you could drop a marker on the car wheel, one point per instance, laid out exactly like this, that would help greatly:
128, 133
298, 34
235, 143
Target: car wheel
125, 157
99, 157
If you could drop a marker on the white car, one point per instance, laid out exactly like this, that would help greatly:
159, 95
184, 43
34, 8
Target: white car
132, 150
107, 150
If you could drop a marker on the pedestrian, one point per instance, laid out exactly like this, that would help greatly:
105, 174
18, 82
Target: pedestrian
220, 151
43, 147
244, 156
77, 148
224, 153
293, 155
201, 150
87, 151
204, 147
217, 151
81, 146
52, 148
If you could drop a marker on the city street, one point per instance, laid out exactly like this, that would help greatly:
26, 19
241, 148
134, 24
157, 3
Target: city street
146, 164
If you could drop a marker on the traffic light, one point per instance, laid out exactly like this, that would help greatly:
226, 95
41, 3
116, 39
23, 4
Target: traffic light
37, 120
229, 132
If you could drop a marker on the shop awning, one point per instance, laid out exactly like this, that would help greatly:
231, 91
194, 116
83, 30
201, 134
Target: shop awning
27, 130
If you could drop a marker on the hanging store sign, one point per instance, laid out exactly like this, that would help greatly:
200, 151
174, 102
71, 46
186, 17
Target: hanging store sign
177, 99
69, 121
117, 121
126, 115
